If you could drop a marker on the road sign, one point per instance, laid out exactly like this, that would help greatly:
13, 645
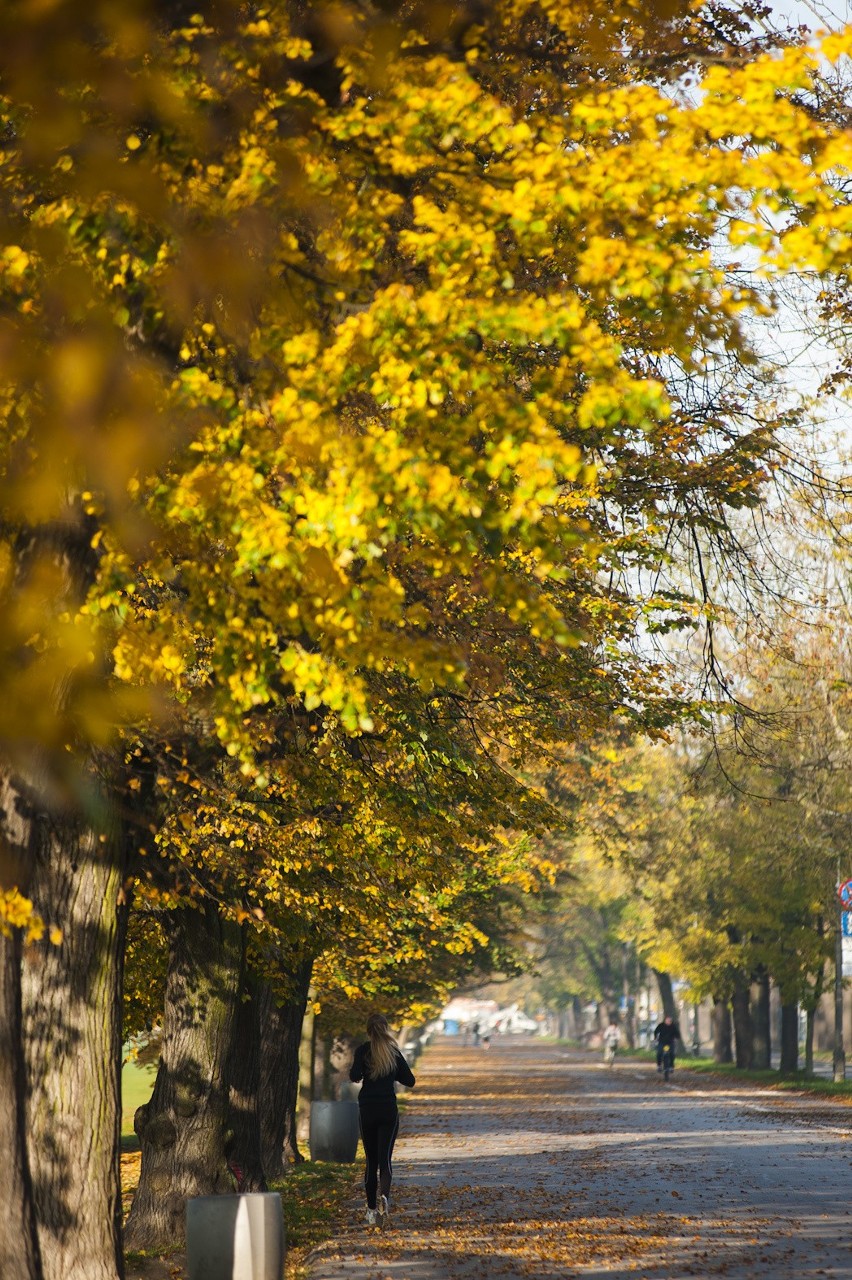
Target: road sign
846, 923
844, 893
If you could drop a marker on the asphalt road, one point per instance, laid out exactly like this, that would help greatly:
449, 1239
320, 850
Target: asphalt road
531, 1161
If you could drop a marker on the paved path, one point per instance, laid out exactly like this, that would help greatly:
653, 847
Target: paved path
532, 1161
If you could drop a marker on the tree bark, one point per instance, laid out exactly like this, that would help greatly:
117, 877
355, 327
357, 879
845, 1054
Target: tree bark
280, 1039
627, 1022
721, 1031
244, 1142
307, 1057
19, 1252
761, 1029
664, 983
742, 1025
809, 1042
71, 1006
789, 1038
183, 1129
327, 1070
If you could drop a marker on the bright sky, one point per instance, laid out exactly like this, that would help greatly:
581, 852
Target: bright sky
814, 13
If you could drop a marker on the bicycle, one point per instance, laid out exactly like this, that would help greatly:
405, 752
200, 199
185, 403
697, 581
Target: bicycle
667, 1061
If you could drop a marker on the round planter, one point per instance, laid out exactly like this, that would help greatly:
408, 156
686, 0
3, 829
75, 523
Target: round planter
334, 1131
235, 1237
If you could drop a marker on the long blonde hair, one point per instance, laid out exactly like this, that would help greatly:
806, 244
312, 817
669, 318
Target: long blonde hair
383, 1047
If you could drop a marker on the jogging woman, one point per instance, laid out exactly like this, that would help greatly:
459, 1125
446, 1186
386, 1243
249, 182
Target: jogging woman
379, 1064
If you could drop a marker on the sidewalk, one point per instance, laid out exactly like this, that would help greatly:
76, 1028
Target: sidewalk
530, 1160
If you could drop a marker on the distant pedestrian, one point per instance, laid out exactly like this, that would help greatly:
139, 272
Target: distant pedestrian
611, 1040
379, 1064
475, 1029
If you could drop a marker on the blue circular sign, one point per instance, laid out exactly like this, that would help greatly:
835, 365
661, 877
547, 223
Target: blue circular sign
844, 893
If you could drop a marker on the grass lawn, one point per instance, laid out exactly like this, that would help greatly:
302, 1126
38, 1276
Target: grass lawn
136, 1085
799, 1081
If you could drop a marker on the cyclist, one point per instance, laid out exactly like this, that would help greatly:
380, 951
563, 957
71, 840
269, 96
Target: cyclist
665, 1034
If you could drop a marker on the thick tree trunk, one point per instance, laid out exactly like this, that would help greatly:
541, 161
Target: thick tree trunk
742, 1024
722, 1031
244, 1145
280, 1038
664, 983
19, 1252
183, 1129
70, 990
761, 1028
789, 1038
71, 1005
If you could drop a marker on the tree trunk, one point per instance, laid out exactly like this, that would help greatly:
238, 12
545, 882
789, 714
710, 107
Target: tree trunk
811, 1002
19, 1252
307, 1054
742, 1025
71, 1004
721, 1031
327, 1072
664, 983
244, 1147
761, 1031
183, 1129
281, 1036
789, 1038
69, 1042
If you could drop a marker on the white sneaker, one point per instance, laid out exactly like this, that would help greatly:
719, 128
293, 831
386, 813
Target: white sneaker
370, 1217
383, 1210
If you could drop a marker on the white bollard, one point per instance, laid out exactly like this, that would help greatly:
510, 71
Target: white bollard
235, 1237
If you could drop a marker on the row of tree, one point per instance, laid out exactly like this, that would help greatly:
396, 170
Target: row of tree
717, 858
358, 364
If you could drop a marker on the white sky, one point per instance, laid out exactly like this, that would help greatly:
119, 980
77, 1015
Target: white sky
814, 13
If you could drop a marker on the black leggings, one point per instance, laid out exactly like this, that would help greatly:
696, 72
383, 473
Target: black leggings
379, 1127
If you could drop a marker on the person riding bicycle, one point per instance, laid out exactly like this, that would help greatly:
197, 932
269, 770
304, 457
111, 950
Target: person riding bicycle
665, 1034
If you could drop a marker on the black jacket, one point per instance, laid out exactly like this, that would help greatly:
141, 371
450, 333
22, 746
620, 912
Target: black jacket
666, 1033
382, 1087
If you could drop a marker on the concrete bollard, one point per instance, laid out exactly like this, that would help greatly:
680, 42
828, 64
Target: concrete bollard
334, 1131
235, 1237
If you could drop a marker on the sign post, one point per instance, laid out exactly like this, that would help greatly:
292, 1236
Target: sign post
846, 935
842, 959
